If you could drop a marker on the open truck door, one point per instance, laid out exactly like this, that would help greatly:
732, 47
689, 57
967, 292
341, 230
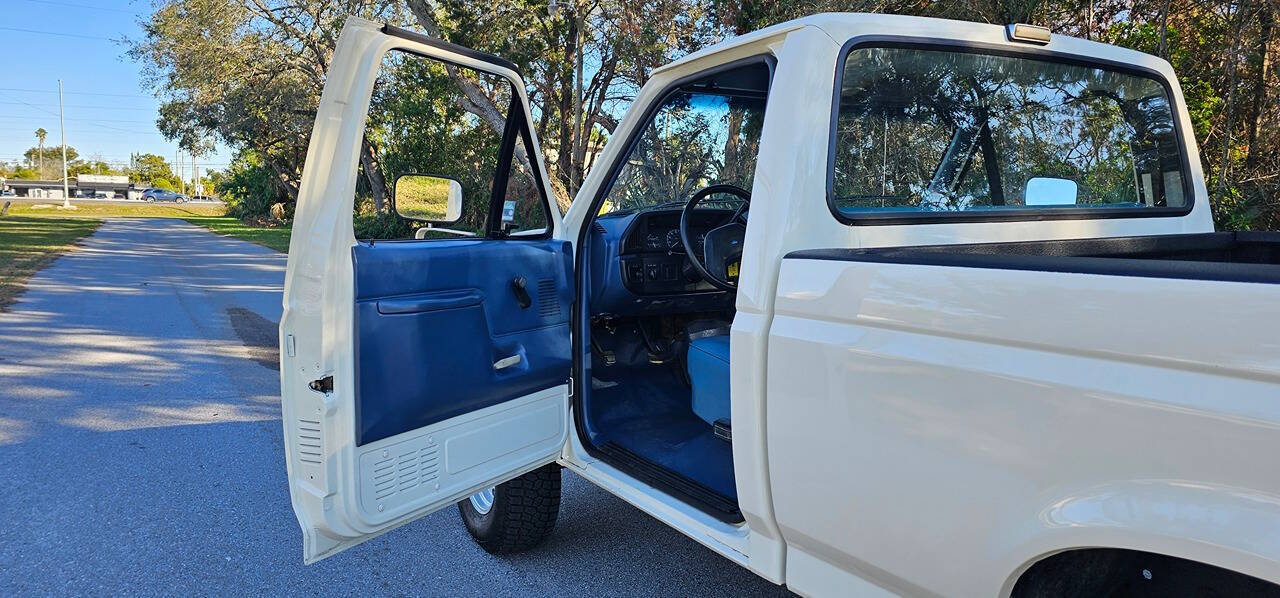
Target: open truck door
417, 372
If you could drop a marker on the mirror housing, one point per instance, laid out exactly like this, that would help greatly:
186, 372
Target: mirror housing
1048, 191
428, 198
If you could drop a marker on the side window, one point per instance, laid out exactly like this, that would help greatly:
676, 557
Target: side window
436, 164
921, 130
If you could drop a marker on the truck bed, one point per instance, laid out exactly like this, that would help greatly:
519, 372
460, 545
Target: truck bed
1223, 256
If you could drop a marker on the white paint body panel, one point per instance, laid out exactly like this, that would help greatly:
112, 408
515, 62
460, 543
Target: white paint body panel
343, 494
1003, 415
898, 429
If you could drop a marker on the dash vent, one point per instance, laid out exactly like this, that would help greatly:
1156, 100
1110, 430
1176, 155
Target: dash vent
310, 446
400, 473
548, 303
597, 227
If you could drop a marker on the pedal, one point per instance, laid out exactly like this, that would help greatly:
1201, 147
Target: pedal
608, 357
723, 430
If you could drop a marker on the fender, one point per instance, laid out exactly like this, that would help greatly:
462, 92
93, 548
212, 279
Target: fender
1229, 527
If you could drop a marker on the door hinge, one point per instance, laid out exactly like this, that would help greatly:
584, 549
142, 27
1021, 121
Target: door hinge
324, 385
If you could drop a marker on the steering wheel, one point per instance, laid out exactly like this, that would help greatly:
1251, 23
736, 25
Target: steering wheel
723, 244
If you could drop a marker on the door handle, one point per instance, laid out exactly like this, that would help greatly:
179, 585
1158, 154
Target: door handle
518, 285
506, 362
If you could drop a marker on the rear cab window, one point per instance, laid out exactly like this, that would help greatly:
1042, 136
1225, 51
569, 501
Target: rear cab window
937, 134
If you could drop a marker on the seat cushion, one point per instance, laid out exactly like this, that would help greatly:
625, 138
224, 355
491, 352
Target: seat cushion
708, 363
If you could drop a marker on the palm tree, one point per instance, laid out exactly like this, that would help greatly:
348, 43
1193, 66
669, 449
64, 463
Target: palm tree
40, 135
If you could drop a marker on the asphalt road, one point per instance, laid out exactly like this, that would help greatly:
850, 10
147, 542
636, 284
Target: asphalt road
141, 451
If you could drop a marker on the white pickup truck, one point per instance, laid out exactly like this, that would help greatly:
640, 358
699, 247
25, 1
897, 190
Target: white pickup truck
866, 304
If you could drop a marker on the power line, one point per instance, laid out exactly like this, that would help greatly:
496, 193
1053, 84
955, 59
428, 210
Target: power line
89, 6
84, 106
58, 33
101, 120
78, 93
84, 132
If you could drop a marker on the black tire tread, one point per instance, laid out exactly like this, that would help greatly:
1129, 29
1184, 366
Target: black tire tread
524, 512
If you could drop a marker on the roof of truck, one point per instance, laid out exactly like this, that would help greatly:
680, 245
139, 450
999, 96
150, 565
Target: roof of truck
841, 26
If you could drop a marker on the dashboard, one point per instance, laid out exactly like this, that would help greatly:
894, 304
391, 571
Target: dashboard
638, 264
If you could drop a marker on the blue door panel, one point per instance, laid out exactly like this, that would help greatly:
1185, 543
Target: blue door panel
432, 317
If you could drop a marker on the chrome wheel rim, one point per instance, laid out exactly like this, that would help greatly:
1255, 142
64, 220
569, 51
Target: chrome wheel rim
482, 501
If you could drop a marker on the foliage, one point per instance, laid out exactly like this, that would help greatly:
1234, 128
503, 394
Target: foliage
249, 73
150, 168
370, 223
248, 187
1223, 51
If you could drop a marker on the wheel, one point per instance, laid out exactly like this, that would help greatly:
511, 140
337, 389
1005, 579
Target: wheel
515, 515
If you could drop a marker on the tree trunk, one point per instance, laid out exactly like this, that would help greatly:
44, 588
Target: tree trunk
373, 174
1232, 81
1260, 79
567, 140
475, 101
731, 174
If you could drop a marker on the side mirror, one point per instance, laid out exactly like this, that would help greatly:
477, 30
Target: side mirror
428, 198
1046, 191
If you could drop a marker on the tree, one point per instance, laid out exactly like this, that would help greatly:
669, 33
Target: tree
40, 136
618, 41
33, 157
149, 168
248, 73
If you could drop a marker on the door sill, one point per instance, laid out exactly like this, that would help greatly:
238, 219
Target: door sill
727, 540
699, 497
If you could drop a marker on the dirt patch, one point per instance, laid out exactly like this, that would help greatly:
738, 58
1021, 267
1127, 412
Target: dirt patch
258, 334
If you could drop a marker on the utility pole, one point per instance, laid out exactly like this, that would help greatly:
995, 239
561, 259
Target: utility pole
62, 124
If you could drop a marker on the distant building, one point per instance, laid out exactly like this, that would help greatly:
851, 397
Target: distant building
85, 185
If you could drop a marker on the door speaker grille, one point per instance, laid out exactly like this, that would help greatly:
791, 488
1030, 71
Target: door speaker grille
548, 306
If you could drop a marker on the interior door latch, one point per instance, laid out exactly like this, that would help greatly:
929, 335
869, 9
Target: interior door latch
518, 285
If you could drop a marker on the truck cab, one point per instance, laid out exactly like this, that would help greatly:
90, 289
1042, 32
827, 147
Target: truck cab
837, 294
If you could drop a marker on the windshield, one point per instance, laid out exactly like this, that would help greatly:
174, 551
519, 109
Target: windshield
926, 130
695, 139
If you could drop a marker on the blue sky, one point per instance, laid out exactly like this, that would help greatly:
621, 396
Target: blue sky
109, 114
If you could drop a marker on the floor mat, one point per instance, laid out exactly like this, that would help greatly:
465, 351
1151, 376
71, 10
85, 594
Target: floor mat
648, 412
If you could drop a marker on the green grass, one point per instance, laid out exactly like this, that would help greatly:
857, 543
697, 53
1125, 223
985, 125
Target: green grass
423, 197
32, 237
141, 210
210, 217
276, 237
29, 243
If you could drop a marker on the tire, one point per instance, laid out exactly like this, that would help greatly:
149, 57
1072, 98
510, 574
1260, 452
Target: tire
522, 513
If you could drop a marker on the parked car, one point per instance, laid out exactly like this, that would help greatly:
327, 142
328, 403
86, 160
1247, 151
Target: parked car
974, 336
155, 194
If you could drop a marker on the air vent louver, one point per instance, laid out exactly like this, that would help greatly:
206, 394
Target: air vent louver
310, 446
